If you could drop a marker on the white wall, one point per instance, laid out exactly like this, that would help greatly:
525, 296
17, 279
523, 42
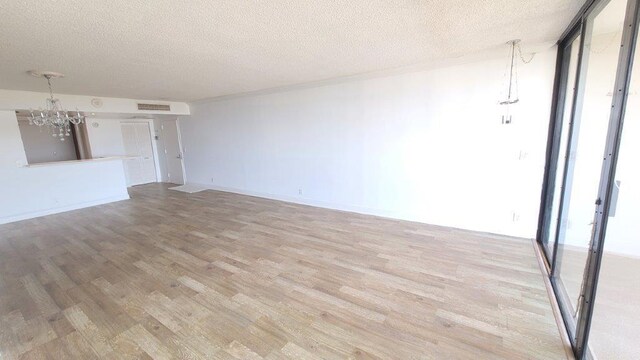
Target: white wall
105, 137
425, 146
27, 192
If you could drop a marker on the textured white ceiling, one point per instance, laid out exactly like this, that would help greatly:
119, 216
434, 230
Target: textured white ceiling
188, 50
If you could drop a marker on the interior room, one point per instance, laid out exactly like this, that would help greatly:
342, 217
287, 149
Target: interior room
319, 180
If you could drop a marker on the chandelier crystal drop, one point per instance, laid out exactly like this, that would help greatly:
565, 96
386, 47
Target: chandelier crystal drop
54, 117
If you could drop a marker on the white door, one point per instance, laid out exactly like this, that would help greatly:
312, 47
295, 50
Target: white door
140, 168
173, 151
132, 164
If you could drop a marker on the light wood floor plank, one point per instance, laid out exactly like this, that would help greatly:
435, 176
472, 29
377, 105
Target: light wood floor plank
215, 275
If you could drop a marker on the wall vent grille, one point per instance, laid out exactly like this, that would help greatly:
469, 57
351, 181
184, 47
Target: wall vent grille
154, 107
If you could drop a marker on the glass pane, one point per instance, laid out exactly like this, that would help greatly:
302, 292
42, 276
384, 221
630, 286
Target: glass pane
615, 327
586, 147
573, 51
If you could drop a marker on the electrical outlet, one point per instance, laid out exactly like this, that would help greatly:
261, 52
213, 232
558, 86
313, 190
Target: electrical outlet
299, 191
515, 217
523, 155
212, 180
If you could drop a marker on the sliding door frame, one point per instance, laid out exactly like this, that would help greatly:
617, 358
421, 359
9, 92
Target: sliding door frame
607, 180
579, 328
554, 136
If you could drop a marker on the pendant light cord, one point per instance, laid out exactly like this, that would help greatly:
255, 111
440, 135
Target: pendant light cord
522, 56
513, 56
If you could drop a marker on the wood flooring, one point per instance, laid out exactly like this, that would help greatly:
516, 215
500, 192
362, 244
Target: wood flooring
214, 275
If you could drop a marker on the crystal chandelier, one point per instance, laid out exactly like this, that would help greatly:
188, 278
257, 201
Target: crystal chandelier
57, 119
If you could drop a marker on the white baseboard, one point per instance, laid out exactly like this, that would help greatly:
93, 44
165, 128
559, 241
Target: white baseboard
305, 201
39, 213
349, 208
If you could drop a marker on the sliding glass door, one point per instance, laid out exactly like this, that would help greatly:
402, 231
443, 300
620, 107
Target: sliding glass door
584, 152
581, 191
615, 326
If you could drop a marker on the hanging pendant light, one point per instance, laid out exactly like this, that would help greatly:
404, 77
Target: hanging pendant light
512, 95
512, 86
57, 119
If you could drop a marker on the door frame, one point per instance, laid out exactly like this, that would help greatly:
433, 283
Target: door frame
582, 324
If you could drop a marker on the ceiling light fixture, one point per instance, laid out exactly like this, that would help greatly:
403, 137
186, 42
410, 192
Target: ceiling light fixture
512, 95
54, 116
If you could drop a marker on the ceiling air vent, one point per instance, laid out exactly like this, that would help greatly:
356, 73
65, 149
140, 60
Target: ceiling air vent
154, 107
